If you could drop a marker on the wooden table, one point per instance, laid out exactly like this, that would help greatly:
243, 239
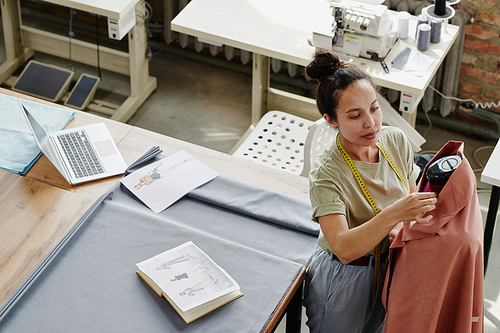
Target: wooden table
34, 216
39, 208
491, 175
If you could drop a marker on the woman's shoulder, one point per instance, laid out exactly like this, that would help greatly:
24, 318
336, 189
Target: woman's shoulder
392, 132
392, 136
327, 167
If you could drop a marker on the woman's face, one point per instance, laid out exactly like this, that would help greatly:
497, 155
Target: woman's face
359, 118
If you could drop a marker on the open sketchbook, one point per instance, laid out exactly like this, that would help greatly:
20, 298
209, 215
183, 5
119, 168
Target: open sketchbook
191, 282
163, 182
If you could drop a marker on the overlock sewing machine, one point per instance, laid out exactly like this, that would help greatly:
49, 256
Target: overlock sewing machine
358, 29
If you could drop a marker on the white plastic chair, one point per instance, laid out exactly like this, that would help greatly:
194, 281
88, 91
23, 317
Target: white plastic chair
277, 141
286, 142
320, 136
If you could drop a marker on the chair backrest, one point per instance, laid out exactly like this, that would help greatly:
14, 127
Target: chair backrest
277, 141
319, 137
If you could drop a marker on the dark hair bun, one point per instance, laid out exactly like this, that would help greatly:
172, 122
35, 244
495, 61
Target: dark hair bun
323, 65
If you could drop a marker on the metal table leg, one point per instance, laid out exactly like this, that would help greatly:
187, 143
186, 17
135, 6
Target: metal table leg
294, 312
489, 228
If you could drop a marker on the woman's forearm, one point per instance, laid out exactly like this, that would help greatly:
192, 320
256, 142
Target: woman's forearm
350, 244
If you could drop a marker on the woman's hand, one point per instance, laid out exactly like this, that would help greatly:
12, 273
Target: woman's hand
414, 206
394, 232
351, 243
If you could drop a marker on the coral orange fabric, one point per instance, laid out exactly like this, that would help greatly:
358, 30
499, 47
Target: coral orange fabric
435, 279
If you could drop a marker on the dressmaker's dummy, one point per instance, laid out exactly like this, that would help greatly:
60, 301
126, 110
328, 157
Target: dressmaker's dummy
435, 276
439, 172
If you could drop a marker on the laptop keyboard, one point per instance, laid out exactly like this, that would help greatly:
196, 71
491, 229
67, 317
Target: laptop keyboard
80, 154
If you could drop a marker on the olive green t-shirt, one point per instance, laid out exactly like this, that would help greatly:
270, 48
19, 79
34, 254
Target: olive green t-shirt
334, 190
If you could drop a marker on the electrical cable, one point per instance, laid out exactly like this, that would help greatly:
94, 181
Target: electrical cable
149, 9
481, 165
71, 34
157, 46
97, 44
148, 13
430, 124
477, 104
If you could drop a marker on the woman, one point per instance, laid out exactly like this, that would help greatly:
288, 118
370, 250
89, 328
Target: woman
362, 188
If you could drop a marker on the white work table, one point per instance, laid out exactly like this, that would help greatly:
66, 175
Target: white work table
110, 8
22, 41
279, 29
491, 175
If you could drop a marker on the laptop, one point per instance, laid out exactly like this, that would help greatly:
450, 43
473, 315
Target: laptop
80, 154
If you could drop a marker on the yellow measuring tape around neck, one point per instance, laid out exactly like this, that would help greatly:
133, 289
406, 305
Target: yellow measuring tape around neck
370, 199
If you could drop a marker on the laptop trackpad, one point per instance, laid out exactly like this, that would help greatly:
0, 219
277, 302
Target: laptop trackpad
105, 148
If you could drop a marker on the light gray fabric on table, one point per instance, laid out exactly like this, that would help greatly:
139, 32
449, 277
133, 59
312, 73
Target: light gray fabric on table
261, 238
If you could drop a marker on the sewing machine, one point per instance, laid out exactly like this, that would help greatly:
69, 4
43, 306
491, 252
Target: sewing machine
358, 29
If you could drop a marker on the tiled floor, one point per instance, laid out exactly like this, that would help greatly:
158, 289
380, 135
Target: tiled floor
210, 106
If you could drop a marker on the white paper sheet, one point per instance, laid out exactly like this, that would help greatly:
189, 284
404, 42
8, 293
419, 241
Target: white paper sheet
162, 183
418, 63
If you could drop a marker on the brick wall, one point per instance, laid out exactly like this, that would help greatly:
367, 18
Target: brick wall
480, 68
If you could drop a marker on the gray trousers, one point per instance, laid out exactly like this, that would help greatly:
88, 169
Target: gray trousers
338, 296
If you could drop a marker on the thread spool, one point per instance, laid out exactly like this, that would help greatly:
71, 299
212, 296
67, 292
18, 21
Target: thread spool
440, 7
436, 30
423, 37
403, 24
421, 19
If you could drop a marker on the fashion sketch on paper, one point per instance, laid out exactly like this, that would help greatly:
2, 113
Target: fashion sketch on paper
177, 260
157, 174
187, 274
191, 291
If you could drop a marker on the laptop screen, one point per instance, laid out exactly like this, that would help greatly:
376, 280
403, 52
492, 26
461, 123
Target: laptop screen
41, 136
